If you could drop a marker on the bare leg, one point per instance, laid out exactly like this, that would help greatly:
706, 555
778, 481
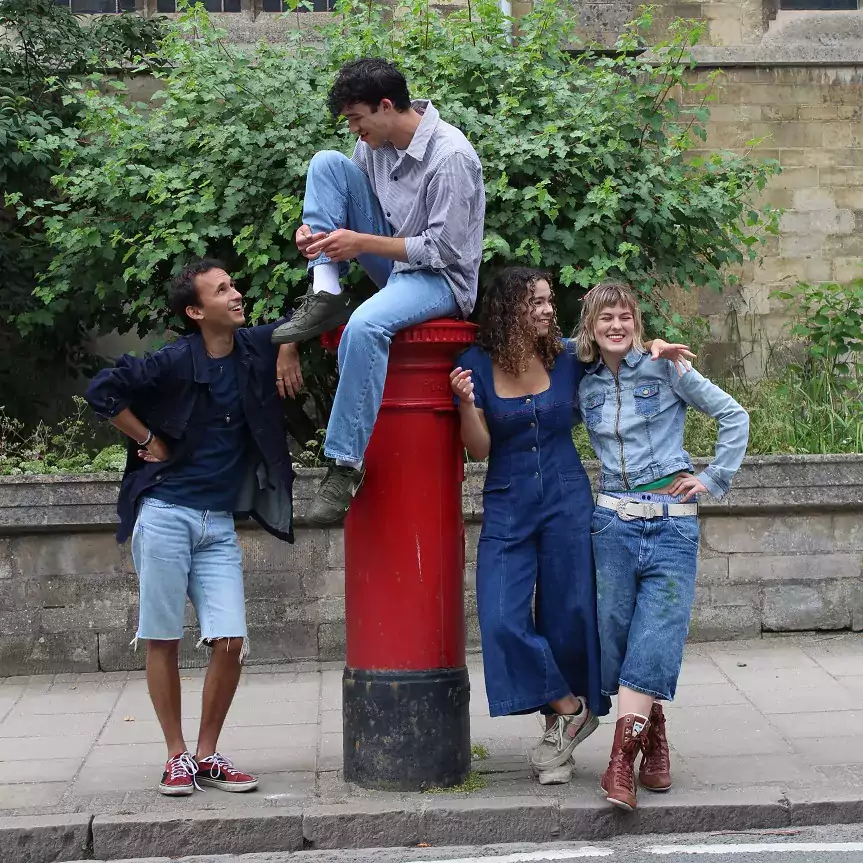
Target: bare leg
163, 682
630, 701
223, 676
569, 705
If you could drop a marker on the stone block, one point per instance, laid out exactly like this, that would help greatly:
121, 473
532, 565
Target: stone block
833, 221
801, 607
842, 177
792, 567
796, 221
834, 806
336, 549
328, 582
47, 653
696, 812
712, 570
263, 552
120, 837
482, 822
802, 246
331, 642
795, 178
67, 554
45, 838
763, 534
290, 642
846, 269
724, 622
366, 824
275, 585
5, 559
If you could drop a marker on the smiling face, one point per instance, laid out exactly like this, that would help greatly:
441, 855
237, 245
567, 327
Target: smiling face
220, 304
540, 312
373, 127
614, 331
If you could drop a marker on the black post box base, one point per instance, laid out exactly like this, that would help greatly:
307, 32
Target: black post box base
406, 730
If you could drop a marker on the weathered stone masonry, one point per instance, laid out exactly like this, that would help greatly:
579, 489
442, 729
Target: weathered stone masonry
783, 553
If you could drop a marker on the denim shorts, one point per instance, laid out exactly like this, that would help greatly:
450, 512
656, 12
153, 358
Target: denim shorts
645, 580
181, 552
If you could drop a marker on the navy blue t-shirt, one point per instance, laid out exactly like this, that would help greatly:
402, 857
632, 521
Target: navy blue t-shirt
213, 475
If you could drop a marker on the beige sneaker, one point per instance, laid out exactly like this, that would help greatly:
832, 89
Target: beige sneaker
558, 743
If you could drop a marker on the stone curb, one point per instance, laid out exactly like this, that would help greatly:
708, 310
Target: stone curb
437, 822
45, 838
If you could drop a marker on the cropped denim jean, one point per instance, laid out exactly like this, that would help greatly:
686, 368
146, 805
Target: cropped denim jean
181, 552
645, 582
339, 195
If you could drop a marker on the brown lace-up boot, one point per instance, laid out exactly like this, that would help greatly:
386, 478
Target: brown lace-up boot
654, 774
618, 781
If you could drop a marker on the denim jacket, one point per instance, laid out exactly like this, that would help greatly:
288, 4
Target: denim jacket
635, 423
166, 390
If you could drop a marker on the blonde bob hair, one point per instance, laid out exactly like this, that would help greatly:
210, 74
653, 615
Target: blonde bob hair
604, 296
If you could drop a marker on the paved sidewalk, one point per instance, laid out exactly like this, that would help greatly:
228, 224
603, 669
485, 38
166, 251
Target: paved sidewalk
774, 722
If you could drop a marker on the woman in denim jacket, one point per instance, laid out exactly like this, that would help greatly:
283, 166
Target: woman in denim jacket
645, 525
517, 392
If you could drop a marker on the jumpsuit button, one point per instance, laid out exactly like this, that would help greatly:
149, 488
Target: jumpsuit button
527, 401
533, 449
536, 474
533, 425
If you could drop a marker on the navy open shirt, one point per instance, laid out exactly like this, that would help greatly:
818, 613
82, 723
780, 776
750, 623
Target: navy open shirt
169, 392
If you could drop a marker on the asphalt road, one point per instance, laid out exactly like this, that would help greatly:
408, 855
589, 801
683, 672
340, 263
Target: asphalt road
842, 844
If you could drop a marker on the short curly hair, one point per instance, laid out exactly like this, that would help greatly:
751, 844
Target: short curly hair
503, 332
369, 81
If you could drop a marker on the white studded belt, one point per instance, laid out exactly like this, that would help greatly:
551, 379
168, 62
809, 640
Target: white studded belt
628, 509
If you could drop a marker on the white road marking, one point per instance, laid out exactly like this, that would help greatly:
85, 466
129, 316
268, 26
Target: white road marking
528, 856
766, 848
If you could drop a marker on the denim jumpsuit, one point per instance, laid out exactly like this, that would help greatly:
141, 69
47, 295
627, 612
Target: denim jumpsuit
537, 508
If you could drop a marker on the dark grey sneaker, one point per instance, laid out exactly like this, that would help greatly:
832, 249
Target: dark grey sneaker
335, 495
316, 314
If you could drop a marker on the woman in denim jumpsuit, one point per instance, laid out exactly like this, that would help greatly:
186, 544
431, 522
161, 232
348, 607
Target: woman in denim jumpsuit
516, 392
645, 526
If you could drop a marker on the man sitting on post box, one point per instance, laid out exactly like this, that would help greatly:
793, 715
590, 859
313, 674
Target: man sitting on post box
207, 441
409, 206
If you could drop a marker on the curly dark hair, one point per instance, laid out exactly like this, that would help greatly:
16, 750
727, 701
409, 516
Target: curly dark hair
369, 80
184, 292
503, 333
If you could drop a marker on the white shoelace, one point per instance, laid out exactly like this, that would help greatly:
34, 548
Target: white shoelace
555, 734
220, 763
184, 765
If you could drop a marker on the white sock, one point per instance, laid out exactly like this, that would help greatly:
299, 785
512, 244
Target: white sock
356, 465
325, 277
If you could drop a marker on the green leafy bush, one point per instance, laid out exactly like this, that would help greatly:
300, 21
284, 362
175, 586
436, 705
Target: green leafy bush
585, 160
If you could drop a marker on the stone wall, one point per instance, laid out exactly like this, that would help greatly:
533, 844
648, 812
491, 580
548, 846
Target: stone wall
781, 554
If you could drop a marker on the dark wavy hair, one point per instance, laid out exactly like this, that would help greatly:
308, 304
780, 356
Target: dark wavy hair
503, 332
369, 81
184, 292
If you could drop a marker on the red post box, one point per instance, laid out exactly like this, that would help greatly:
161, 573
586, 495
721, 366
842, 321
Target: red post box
406, 693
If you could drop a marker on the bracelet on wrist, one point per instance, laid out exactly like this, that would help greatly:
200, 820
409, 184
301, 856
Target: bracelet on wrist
147, 440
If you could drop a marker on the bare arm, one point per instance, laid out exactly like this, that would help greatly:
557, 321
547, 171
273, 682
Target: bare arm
474, 430
130, 425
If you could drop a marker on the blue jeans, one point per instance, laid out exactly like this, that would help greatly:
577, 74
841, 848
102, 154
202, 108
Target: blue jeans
645, 583
339, 195
179, 551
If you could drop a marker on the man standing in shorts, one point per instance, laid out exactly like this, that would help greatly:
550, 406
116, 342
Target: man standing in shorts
207, 442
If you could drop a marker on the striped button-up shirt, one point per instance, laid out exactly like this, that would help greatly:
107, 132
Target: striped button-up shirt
433, 196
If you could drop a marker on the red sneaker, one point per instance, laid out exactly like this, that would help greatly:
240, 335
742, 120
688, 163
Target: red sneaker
218, 772
178, 780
